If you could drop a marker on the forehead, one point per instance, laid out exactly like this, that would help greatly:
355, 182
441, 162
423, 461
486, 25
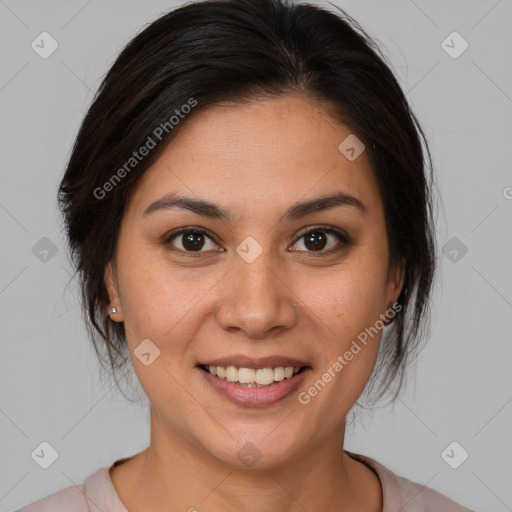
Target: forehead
275, 150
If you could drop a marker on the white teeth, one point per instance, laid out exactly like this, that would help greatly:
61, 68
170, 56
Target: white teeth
279, 373
247, 375
231, 374
265, 376
253, 377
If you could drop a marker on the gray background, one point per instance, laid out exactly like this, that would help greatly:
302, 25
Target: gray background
461, 388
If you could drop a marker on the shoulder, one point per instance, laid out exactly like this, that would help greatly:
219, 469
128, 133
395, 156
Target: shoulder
402, 494
70, 498
96, 493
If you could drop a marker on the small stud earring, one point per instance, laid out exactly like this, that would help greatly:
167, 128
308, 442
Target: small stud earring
112, 310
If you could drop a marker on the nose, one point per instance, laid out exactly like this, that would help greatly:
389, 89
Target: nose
257, 299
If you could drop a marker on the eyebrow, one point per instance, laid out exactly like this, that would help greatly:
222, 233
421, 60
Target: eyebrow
212, 211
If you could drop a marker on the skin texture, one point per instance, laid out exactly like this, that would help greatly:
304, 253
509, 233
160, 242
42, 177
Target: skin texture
255, 160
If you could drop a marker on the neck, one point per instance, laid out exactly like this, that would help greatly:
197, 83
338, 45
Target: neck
175, 474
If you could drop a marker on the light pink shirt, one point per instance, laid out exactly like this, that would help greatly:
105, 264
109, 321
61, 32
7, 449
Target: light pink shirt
97, 494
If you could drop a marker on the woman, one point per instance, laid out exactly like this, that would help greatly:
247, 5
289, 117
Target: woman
249, 208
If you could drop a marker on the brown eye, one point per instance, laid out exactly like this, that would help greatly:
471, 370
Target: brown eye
315, 240
318, 239
191, 240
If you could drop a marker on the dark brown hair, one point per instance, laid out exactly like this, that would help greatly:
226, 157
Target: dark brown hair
241, 50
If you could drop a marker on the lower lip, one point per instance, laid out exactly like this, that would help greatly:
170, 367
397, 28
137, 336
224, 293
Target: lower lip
254, 397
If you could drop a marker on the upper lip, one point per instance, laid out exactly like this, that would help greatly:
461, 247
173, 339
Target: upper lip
243, 361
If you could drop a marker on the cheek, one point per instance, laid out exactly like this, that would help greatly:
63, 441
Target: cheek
154, 297
159, 307
347, 306
348, 300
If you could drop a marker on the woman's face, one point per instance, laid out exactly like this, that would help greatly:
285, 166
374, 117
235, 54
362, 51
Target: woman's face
266, 283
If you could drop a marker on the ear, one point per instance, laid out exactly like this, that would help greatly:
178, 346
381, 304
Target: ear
113, 292
395, 281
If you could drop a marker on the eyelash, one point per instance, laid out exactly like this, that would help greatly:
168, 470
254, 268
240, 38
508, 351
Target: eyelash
342, 237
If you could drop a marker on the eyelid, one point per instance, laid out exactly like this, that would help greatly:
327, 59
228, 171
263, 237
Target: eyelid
323, 227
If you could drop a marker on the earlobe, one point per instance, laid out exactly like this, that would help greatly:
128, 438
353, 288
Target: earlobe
114, 308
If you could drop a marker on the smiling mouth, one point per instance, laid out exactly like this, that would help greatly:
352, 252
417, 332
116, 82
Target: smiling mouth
253, 377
